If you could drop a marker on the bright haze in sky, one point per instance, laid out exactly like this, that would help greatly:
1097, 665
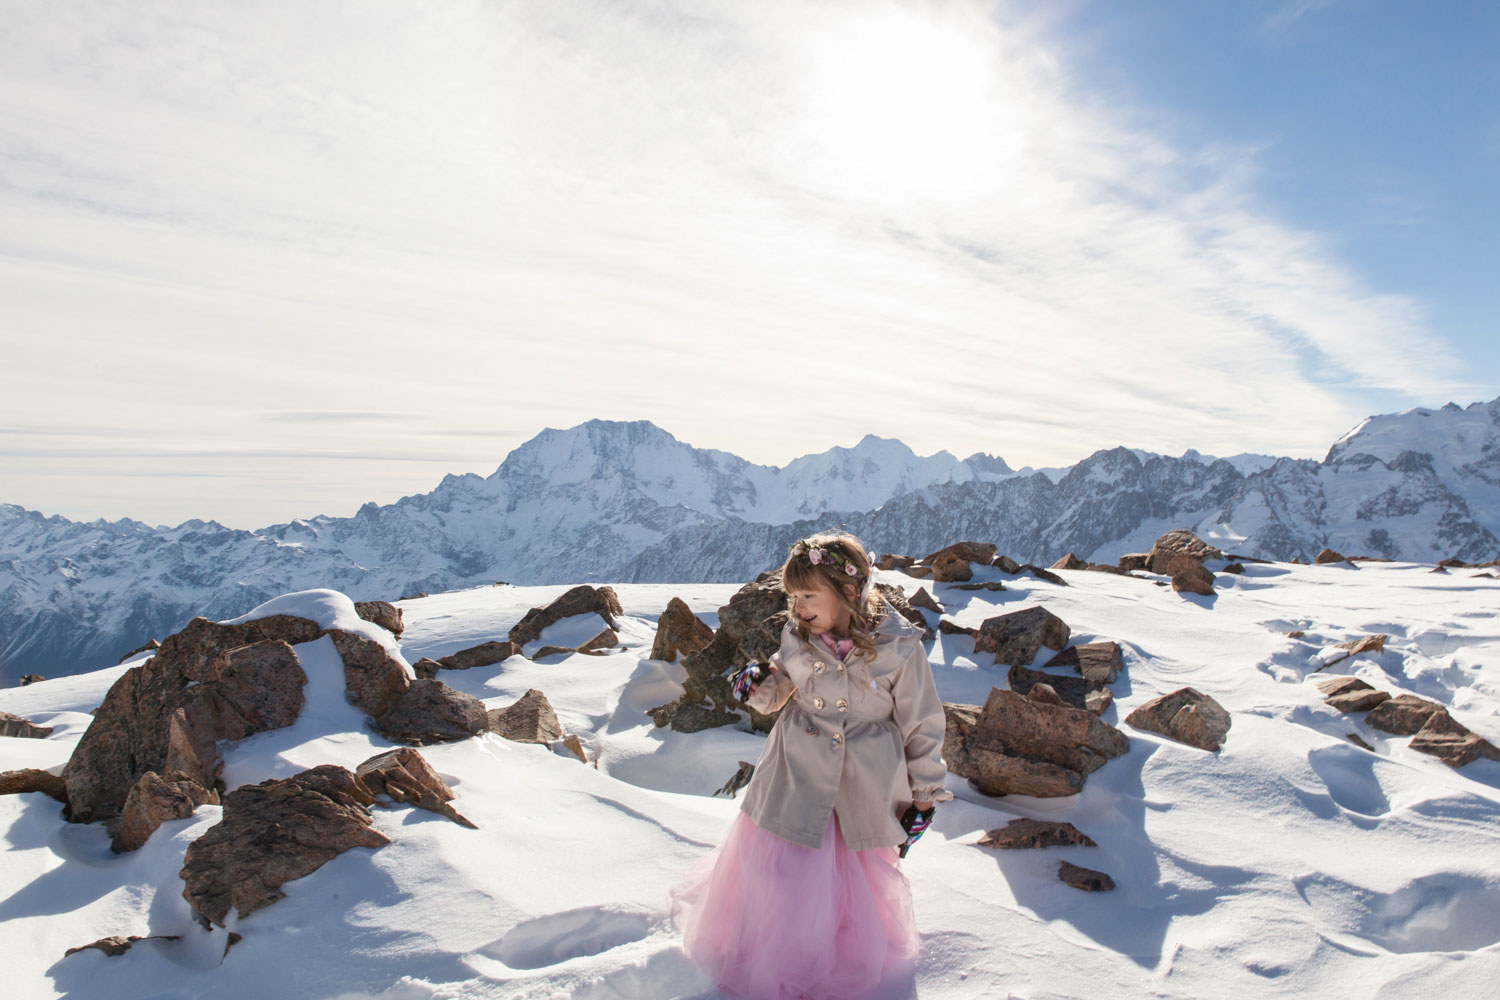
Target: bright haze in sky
269, 260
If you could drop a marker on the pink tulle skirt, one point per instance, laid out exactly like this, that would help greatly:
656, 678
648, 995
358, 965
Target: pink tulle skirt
771, 920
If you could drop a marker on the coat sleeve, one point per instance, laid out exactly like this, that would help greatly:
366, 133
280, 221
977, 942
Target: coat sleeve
773, 692
919, 716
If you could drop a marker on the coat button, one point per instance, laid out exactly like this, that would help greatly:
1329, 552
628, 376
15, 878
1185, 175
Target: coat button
812, 730
818, 701
838, 739
819, 667
841, 705
841, 668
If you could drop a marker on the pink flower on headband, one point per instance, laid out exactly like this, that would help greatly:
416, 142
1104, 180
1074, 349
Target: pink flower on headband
815, 556
851, 569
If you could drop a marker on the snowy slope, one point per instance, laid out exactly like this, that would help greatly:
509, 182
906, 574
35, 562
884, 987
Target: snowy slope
1292, 863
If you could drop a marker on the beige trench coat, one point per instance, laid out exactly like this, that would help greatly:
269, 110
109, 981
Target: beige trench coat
861, 738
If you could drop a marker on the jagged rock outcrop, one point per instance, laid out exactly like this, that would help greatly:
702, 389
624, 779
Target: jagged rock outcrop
1187, 716
679, 631
1403, 715
382, 613
1017, 745
580, 600
1446, 738
922, 599
1025, 833
272, 833
154, 800
1015, 638
530, 719
16, 726
403, 775
1176, 542
402, 708
1080, 692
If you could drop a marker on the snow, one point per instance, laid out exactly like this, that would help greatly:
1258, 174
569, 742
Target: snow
1290, 863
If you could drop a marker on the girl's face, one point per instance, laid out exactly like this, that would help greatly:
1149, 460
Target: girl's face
821, 609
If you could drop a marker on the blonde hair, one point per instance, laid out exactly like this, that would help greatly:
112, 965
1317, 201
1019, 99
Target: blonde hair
835, 552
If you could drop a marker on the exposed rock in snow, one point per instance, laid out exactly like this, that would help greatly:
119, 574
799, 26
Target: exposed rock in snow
1026, 834
1016, 638
1017, 745
1187, 716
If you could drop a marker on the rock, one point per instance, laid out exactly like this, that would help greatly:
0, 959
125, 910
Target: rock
529, 720
1015, 638
33, 779
575, 747
994, 586
30, 679
1070, 561
1084, 878
426, 667
1187, 716
1235, 568
374, 681
407, 710
14, 725
1367, 644
382, 613
1403, 715
948, 626
1044, 694
1134, 562
597, 646
154, 800
1105, 568
1295, 634
1173, 543
896, 597
951, 568
1328, 556
1358, 741
1444, 737
1075, 691
413, 597
890, 560
922, 599
1007, 565
1018, 746
1350, 694
272, 833
1026, 833
739, 779
150, 645
1044, 574
403, 775
1190, 575
975, 552
581, 600
919, 571
1097, 662
482, 655
679, 631
116, 945
208, 682
1439, 569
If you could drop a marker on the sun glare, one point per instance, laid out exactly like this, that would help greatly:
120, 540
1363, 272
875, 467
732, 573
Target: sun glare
907, 107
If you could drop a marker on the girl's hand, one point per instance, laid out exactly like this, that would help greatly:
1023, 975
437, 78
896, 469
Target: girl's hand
747, 680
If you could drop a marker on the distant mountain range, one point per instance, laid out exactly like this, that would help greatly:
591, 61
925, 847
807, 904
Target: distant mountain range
627, 502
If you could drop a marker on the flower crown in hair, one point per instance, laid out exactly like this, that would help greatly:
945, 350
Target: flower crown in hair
818, 556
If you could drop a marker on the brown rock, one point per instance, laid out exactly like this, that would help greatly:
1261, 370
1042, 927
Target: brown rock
116, 945
1044, 574
951, 568
1105, 568
679, 631
1134, 562
426, 667
14, 725
155, 800
896, 597
1026, 833
575, 747
30, 679
221, 681
1235, 568
739, 779
1044, 694
1173, 543
1444, 737
919, 571
1368, 644
1070, 561
1007, 565
1295, 634
1015, 638
150, 644
1016, 745
1190, 575
373, 680
581, 600
33, 779
890, 560
432, 712
975, 552
382, 613
530, 719
274, 832
1350, 694
597, 646
1084, 878
922, 599
994, 586
1359, 741
1328, 556
1098, 662
482, 655
1075, 691
1403, 715
948, 626
1187, 716
403, 775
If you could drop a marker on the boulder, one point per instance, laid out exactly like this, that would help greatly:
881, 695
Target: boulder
922, 599
1328, 556
33, 779
1070, 561
597, 646
404, 709
14, 725
154, 800
150, 645
1084, 878
975, 552
1044, 694
1187, 716
1403, 715
1235, 568
382, 613
1017, 745
1076, 691
1134, 562
1044, 574
1097, 662
950, 568
483, 655
1015, 638
403, 775
1007, 565
679, 631
581, 600
426, 667
30, 679
1359, 741
890, 560
994, 586
1446, 738
273, 832
1026, 833
1189, 575
530, 719
1174, 543
1350, 694
919, 571
374, 681
948, 626
1105, 568
208, 682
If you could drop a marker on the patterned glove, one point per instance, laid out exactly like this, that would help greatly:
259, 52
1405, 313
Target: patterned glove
746, 680
915, 822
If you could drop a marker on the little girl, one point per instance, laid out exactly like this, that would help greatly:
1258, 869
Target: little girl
804, 897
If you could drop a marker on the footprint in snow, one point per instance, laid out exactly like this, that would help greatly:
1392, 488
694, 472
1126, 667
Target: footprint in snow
558, 937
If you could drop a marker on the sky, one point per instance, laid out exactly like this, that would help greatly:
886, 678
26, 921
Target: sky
273, 260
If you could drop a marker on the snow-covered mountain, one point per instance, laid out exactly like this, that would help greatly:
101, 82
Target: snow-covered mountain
626, 501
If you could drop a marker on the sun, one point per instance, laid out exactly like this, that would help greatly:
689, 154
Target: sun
904, 106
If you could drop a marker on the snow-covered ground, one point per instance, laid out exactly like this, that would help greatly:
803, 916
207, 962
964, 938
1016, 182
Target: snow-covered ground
1292, 863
